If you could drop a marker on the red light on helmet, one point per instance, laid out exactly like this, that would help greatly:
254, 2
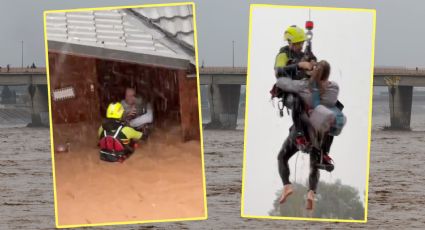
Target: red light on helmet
309, 25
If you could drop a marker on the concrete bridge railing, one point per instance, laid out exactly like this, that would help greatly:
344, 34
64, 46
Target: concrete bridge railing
224, 84
224, 88
36, 81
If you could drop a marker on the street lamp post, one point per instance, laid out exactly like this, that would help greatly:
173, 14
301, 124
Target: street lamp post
22, 54
233, 54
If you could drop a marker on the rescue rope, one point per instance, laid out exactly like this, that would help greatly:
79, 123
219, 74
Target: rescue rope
295, 171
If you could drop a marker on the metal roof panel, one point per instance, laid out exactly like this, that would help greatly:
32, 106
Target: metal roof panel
173, 19
122, 30
155, 13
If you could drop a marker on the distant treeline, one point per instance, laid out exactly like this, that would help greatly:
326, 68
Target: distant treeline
334, 201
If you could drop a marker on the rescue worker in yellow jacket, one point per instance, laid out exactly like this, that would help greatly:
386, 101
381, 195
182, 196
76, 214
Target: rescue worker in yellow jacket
291, 63
117, 141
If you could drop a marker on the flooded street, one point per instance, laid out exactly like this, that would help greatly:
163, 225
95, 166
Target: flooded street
396, 197
161, 180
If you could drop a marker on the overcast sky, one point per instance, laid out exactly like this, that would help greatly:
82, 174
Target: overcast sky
399, 35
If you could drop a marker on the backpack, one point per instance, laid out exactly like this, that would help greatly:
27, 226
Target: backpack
325, 119
338, 123
111, 148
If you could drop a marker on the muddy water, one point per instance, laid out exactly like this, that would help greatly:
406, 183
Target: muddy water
161, 180
396, 197
25, 179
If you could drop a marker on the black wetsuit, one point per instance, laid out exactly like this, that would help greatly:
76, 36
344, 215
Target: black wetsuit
288, 149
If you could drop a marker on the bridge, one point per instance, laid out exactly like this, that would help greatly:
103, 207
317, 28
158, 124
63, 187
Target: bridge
224, 91
34, 78
23, 76
224, 84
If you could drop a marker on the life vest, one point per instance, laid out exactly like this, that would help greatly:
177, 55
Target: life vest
112, 149
293, 58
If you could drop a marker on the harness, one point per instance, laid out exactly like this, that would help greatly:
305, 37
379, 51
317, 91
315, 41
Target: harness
112, 149
294, 58
276, 92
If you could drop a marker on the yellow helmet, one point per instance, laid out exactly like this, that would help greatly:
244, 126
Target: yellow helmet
295, 34
115, 110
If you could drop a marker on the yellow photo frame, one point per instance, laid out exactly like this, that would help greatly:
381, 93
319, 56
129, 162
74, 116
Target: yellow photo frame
50, 93
248, 89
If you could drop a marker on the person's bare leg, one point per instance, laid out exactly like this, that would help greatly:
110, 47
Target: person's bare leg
313, 178
287, 151
310, 200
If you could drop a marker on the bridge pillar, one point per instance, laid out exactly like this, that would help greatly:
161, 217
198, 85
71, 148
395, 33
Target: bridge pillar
8, 96
400, 106
224, 105
40, 108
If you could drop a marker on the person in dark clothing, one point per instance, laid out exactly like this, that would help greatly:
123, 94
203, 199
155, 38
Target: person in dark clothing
289, 148
291, 62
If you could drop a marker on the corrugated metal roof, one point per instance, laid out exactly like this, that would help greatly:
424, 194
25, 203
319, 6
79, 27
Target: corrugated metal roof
178, 21
123, 30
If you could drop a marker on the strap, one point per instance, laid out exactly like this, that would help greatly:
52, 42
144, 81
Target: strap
315, 95
118, 131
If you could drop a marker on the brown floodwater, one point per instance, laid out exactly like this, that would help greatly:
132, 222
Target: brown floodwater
161, 180
396, 189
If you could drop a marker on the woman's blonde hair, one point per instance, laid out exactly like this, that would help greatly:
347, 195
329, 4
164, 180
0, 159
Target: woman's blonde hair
321, 74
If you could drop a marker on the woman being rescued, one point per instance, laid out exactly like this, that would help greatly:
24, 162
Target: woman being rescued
328, 97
